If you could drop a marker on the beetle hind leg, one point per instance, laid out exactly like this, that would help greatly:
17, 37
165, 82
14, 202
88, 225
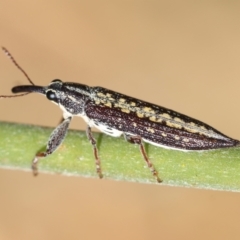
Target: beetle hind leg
138, 140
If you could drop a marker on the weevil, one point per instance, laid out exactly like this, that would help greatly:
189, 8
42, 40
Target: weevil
116, 114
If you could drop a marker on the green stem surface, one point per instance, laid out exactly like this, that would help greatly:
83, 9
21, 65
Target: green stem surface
216, 169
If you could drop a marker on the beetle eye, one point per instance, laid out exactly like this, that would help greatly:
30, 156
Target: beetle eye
51, 95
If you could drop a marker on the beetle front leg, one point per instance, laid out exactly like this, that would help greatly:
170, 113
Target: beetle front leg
95, 151
55, 140
138, 140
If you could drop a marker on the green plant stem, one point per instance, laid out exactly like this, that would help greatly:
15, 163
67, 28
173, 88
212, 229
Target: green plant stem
218, 169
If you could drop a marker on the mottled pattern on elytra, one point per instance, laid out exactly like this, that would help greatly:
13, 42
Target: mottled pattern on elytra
157, 125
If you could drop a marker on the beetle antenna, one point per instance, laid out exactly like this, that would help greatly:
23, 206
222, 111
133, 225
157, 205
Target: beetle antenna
17, 65
12, 96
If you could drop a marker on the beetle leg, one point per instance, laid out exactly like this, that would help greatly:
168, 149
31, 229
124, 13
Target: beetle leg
95, 151
138, 140
55, 140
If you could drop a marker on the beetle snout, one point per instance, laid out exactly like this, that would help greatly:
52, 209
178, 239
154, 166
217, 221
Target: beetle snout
28, 88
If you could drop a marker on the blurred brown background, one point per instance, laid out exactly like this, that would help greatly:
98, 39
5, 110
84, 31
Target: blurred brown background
184, 55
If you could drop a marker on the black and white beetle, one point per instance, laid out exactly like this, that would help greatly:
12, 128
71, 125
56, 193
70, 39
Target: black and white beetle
116, 114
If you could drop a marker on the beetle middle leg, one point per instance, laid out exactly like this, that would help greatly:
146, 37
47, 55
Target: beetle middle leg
138, 140
95, 151
55, 140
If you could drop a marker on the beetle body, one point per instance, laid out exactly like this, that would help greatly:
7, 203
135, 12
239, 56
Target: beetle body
117, 114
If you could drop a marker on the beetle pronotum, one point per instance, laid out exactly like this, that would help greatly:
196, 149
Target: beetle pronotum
116, 114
